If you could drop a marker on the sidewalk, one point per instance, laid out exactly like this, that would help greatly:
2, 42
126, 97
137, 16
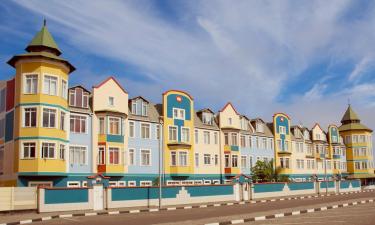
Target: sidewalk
29, 217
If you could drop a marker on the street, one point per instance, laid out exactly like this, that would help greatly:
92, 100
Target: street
233, 212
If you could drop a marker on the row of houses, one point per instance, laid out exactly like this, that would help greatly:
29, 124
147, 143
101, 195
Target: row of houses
53, 135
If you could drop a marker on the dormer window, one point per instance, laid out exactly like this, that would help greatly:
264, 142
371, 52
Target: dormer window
144, 109
134, 107
207, 118
244, 124
78, 98
259, 127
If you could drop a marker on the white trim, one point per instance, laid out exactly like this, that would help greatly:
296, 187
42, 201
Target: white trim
57, 84
86, 155
119, 155
41, 149
67, 89
56, 117
140, 130
145, 183
140, 156
178, 113
133, 122
189, 138
169, 138
132, 183
121, 183
187, 158
113, 183
86, 123
21, 155
73, 184
120, 124
23, 86
23, 115
134, 162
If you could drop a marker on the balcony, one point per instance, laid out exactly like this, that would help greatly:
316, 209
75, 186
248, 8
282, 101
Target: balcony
111, 169
229, 148
180, 170
335, 156
232, 170
42, 166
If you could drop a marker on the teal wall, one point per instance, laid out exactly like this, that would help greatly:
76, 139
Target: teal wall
58, 196
344, 184
331, 184
301, 186
259, 188
356, 183
196, 191
123, 194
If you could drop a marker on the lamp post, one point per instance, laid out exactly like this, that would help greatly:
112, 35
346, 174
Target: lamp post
325, 172
161, 160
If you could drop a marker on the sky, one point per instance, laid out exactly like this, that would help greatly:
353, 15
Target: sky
305, 58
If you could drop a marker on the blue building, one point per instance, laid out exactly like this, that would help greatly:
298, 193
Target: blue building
144, 139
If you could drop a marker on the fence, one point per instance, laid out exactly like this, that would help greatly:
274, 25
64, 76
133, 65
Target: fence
18, 198
97, 198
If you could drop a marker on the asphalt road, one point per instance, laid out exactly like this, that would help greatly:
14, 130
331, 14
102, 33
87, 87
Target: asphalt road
212, 214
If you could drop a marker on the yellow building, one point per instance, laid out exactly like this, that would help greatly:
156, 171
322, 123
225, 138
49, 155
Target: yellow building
283, 143
39, 125
178, 129
358, 140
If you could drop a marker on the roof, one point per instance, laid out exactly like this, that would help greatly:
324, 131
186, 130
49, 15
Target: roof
206, 110
46, 55
353, 126
80, 86
226, 105
152, 114
266, 128
108, 79
198, 123
138, 98
183, 92
350, 115
43, 39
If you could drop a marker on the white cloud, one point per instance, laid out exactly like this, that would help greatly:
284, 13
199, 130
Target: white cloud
362, 67
245, 52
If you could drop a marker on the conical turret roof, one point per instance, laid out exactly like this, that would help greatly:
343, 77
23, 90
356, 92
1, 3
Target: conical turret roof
43, 39
350, 115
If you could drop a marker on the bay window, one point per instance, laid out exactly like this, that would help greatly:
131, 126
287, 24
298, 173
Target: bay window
49, 118
30, 117
31, 84
50, 85
29, 150
114, 126
48, 150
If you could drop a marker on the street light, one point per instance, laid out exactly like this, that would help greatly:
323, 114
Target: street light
161, 160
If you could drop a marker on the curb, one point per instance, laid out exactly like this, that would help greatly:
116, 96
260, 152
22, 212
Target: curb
293, 213
181, 207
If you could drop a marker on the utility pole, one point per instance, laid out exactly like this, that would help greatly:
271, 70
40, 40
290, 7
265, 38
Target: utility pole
160, 160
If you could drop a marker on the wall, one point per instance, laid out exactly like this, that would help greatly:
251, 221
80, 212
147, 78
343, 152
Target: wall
65, 199
18, 198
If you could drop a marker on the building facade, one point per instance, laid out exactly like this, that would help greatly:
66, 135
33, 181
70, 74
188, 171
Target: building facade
53, 135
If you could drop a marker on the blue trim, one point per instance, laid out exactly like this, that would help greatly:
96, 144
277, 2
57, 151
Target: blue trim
115, 138
42, 104
42, 138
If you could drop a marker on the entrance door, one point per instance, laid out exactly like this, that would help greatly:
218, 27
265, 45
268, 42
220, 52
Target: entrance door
98, 197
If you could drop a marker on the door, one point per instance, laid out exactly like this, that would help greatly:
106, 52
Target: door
246, 189
98, 197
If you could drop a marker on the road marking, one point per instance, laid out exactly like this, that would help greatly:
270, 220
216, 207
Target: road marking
135, 211
296, 213
65, 215
172, 208
237, 221
153, 210
259, 218
113, 212
46, 218
279, 215
91, 214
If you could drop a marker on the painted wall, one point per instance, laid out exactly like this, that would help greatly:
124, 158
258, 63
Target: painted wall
282, 120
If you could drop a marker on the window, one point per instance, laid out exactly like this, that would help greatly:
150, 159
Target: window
242, 141
284, 163
144, 109
114, 155
196, 136
282, 130
78, 155
207, 118
172, 133
243, 161
251, 162
183, 158
185, 137
49, 118
78, 124
216, 138
145, 157
131, 129
207, 159
101, 156
196, 159
134, 107
62, 120
78, 98
234, 161
50, 85
73, 184
111, 101
48, 150
226, 138
270, 145
178, 113
257, 143
362, 138
259, 127
206, 136
131, 157
114, 125
250, 141
62, 152
29, 150
216, 160
357, 165
234, 139
158, 131
145, 183
145, 130
101, 125
173, 158
64, 89
31, 84
279, 144
264, 143
286, 145
227, 161
30, 117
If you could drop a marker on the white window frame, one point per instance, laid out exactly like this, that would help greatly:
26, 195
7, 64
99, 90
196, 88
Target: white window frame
207, 156
109, 155
140, 157
145, 183
133, 156
64, 91
73, 184
187, 138
134, 107
56, 117
41, 150
24, 75
169, 136
132, 124
175, 153
149, 130
179, 117
109, 125
32, 183
24, 116
57, 85
187, 158
132, 183
22, 149
206, 141
86, 123
85, 147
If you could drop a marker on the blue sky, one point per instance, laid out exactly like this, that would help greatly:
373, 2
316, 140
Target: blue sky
304, 58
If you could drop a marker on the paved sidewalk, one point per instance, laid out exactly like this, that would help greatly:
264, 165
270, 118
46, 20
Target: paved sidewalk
15, 217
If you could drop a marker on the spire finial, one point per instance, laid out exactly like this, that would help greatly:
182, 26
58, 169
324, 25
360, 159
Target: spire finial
44, 22
348, 101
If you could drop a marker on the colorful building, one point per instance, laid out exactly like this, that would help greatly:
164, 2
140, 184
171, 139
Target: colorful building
359, 149
52, 135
